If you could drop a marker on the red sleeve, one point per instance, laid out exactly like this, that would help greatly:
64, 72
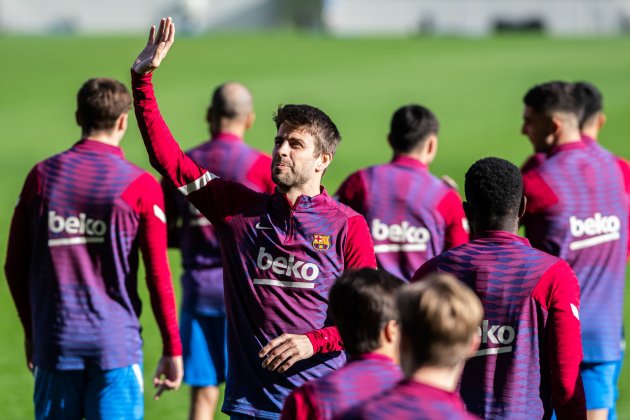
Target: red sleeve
214, 198
325, 340
559, 294
171, 210
260, 174
539, 195
145, 197
19, 250
452, 210
299, 406
352, 192
533, 162
624, 165
425, 269
359, 250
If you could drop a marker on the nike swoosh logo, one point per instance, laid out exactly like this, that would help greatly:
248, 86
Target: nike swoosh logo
262, 227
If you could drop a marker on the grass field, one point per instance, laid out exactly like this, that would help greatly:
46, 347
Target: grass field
474, 86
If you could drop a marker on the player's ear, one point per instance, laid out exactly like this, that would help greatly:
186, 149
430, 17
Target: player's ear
324, 161
601, 120
390, 331
556, 125
121, 122
249, 122
522, 207
431, 147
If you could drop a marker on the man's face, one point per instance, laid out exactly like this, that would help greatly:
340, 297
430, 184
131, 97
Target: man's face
293, 158
538, 128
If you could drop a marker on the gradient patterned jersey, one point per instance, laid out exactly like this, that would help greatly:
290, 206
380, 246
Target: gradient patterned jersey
73, 256
411, 400
364, 377
279, 263
413, 215
530, 353
228, 157
578, 209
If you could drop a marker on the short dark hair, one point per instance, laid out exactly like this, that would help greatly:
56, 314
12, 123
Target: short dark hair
100, 102
557, 96
494, 189
410, 126
361, 302
590, 99
318, 124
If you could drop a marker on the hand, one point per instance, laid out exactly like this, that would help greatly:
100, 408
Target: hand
157, 47
28, 350
168, 375
283, 352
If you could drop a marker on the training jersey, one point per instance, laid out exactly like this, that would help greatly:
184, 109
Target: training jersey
72, 259
528, 361
412, 214
578, 209
228, 157
279, 262
364, 377
411, 400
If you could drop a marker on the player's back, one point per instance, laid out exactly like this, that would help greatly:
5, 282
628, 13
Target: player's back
409, 213
83, 272
228, 157
365, 376
578, 210
509, 376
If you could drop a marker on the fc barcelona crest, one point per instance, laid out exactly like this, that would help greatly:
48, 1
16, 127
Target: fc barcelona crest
321, 242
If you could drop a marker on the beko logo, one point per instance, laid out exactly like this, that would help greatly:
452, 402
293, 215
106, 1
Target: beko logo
599, 229
402, 237
284, 266
496, 335
91, 230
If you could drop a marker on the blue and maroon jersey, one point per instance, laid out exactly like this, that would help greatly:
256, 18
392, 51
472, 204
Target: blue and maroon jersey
72, 259
279, 263
364, 377
578, 209
411, 400
530, 353
228, 157
413, 215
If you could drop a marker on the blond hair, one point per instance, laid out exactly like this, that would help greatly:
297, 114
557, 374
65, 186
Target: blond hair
439, 318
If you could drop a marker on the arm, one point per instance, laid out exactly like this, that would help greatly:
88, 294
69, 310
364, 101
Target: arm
625, 170
352, 192
18, 256
145, 196
452, 210
172, 213
299, 406
558, 293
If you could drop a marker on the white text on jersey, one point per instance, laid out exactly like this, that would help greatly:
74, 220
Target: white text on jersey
92, 230
599, 229
402, 237
286, 267
501, 335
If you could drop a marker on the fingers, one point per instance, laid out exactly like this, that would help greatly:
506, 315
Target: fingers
151, 39
278, 357
272, 345
160, 389
160, 32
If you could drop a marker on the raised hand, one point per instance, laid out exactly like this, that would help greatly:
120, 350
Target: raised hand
157, 47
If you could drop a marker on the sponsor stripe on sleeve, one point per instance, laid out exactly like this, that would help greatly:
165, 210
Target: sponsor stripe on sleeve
197, 184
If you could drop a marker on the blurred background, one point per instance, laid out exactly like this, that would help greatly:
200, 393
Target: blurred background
469, 61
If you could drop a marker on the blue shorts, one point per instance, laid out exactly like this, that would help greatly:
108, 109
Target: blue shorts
600, 385
92, 393
205, 348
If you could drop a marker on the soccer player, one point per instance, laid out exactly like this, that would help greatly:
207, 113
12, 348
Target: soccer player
439, 319
72, 263
281, 252
422, 216
202, 323
578, 209
370, 336
530, 353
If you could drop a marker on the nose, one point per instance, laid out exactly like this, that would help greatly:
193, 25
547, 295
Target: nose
283, 148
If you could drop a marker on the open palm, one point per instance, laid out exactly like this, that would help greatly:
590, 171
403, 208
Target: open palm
157, 47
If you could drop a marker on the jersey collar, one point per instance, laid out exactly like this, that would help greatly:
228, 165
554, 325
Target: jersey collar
408, 162
500, 236
94, 146
568, 146
223, 136
303, 203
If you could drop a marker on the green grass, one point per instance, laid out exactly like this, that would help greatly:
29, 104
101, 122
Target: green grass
474, 86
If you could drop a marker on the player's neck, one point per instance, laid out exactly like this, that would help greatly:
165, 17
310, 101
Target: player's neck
234, 130
420, 156
102, 137
438, 377
310, 190
570, 136
591, 131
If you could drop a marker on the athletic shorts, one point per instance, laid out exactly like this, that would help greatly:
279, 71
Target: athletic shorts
205, 348
600, 385
92, 393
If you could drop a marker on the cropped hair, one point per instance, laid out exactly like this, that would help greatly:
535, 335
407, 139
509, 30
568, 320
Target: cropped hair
361, 303
590, 100
494, 189
315, 121
411, 125
557, 96
439, 316
100, 102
